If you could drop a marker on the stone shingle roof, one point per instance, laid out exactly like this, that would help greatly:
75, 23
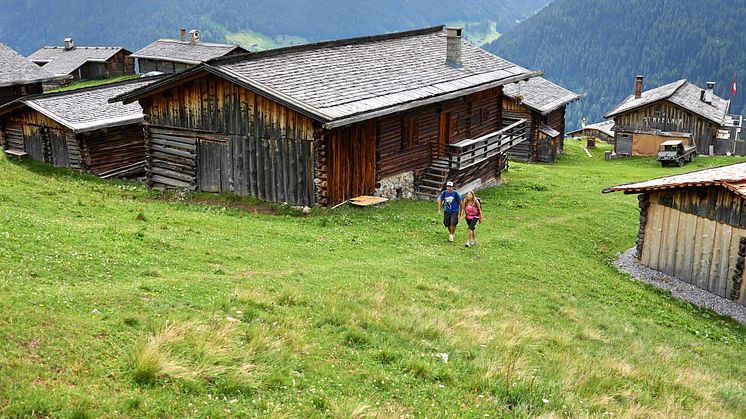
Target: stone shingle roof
15, 69
540, 94
86, 109
682, 93
62, 62
184, 51
341, 82
732, 177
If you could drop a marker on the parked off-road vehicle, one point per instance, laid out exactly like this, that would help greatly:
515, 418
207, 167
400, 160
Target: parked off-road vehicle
675, 153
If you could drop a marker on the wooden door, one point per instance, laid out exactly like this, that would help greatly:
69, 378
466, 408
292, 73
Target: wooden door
58, 148
33, 141
351, 162
445, 130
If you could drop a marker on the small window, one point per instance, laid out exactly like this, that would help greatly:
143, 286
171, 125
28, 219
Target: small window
409, 131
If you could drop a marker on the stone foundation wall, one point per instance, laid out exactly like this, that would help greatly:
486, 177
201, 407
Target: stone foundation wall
398, 186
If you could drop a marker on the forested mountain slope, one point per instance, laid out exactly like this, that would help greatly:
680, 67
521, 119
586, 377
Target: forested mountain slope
28, 24
598, 46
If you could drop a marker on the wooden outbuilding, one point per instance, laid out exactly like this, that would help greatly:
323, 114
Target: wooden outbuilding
84, 63
20, 77
78, 129
646, 119
319, 124
171, 56
600, 131
543, 103
693, 227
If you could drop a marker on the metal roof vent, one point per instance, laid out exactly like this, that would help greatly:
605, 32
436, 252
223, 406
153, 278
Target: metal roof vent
710, 92
69, 44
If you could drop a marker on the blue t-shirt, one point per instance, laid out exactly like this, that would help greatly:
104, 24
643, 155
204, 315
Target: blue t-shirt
450, 200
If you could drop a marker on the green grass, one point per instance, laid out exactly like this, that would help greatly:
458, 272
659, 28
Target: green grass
117, 302
95, 82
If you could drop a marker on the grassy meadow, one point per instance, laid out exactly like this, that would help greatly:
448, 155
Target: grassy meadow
117, 302
92, 83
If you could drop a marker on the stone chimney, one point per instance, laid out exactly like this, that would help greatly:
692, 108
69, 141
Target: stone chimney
710, 92
69, 45
194, 36
182, 32
638, 87
453, 46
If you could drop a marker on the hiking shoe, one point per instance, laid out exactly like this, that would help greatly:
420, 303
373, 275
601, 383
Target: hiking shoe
474, 243
450, 238
467, 244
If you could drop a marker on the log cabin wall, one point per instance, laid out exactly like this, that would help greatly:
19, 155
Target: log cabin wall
556, 120
168, 67
42, 138
210, 134
111, 148
11, 93
434, 127
350, 162
695, 234
665, 116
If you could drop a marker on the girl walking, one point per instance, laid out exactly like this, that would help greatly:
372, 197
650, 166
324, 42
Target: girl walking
472, 211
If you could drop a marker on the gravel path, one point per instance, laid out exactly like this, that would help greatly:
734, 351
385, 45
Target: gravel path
627, 263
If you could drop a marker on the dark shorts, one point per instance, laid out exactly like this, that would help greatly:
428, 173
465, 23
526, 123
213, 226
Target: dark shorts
450, 219
472, 223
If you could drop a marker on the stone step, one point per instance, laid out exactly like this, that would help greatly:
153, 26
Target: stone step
425, 196
428, 189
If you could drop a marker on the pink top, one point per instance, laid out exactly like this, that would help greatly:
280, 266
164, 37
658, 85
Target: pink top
472, 212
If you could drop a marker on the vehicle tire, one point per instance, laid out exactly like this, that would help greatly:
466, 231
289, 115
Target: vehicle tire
680, 162
694, 157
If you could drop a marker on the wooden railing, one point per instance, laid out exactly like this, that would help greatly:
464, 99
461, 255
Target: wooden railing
467, 153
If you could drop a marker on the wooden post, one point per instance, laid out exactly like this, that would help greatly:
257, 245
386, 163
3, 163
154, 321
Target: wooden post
644, 203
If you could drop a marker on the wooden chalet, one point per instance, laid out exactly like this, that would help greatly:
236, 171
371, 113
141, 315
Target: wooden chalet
693, 227
84, 63
20, 77
681, 110
78, 129
319, 124
543, 103
171, 56
601, 131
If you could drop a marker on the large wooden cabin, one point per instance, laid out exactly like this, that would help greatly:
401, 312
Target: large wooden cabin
680, 109
322, 123
20, 77
78, 129
693, 227
84, 63
171, 56
600, 131
543, 103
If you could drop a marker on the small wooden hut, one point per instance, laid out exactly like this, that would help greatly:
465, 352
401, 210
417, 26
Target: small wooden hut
680, 109
20, 77
78, 129
693, 227
543, 103
84, 63
323, 123
600, 131
171, 56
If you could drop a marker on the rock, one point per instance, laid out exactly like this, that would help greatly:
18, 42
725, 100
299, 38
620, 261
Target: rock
96, 312
306, 210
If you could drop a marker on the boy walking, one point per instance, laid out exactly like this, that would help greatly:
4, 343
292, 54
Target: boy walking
450, 201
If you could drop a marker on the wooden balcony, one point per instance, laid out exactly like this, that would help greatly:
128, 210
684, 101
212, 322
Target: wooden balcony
467, 153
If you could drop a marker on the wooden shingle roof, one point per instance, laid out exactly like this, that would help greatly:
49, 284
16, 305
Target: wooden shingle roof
58, 60
15, 69
732, 177
682, 93
85, 109
345, 81
184, 51
540, 94
607, 127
